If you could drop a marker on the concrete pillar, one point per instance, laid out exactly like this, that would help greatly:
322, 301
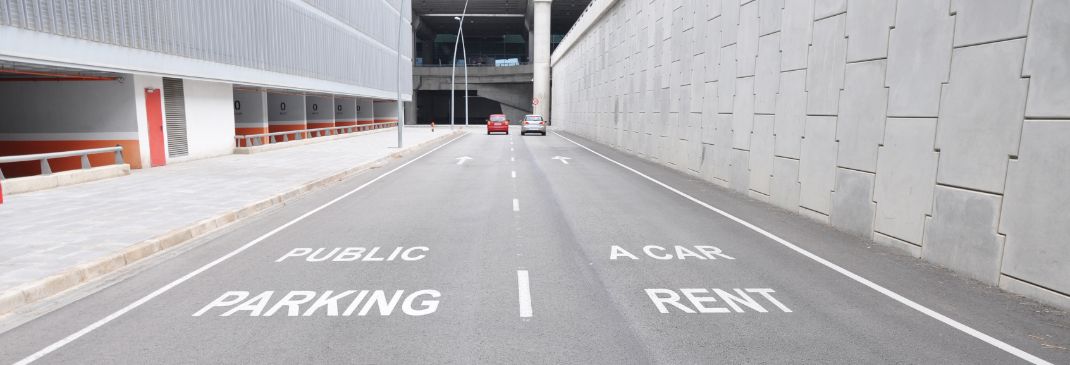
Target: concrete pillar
365, 111
541, 62
250, 113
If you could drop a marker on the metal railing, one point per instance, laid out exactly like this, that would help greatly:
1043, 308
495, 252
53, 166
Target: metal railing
44, 157
253, 140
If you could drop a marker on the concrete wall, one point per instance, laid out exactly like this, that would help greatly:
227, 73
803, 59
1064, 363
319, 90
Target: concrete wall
286, 112
52, 116
209, 119
319, 110
345, 111
937, 126
365, 111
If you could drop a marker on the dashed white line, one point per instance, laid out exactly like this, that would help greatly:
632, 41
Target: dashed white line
899, 298
512, 159
516, 205
514, 174
524, 293
90, 328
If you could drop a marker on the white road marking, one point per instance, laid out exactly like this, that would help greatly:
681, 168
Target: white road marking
510, 149
562, 159
525, 293
512, 159
516, 205
514, 174
90, 328
899, 298
461, 160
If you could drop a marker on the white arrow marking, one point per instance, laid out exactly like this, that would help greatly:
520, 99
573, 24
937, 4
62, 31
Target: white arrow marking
562, 159
462, 160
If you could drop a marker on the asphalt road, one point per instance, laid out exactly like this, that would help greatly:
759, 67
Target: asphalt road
534, 250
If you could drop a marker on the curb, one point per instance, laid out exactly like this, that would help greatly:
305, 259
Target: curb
22, 295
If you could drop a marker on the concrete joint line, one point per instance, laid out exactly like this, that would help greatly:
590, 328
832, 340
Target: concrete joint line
25, 294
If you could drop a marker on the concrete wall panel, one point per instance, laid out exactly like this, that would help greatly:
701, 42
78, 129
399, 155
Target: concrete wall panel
981, 21
790, 113
747, 41
767, 74
868, 24
785, 183
961, 234
862, 113
726, 84
824, 75
852, 202
1034, 207
981, 115
919, 57
817, 166
761, 154
769, 18
826, 8
1047, 60
795, 33
743, 113
906, 174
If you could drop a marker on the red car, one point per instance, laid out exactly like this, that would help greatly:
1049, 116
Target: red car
497, 123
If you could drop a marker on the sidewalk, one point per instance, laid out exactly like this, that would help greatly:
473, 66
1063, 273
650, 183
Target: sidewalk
55, 239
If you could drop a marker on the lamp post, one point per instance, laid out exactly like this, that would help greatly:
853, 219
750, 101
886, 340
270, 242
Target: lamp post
464, 53
401, 112
453, 67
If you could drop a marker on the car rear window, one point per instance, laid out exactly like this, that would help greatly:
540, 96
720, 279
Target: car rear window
497, 118
533, 118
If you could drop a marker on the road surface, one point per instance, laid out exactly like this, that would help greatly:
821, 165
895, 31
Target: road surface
510, 249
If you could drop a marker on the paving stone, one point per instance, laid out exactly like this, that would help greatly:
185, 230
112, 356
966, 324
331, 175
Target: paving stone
981, 113
919, 57
862, 113
906, 175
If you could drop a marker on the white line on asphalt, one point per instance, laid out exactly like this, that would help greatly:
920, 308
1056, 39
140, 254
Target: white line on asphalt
516, 205
510, 149
90, 328
899, 298
512, 159
525, 293
514, 174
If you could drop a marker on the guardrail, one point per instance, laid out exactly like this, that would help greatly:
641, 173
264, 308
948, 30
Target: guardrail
44, 157
252, 140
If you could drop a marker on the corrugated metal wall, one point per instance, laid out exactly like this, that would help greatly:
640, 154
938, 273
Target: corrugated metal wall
272, 35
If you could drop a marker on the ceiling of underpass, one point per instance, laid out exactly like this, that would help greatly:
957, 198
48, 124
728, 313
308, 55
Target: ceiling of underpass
493, 18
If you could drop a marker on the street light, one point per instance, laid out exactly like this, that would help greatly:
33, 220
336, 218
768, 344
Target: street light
464, 53
453, 67
401, 112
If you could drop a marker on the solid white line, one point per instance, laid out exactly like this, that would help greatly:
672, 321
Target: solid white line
525, 293
514, 174
899, 298
58, 344
516, 205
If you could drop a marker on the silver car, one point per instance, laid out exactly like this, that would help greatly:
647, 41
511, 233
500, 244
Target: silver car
533, 124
